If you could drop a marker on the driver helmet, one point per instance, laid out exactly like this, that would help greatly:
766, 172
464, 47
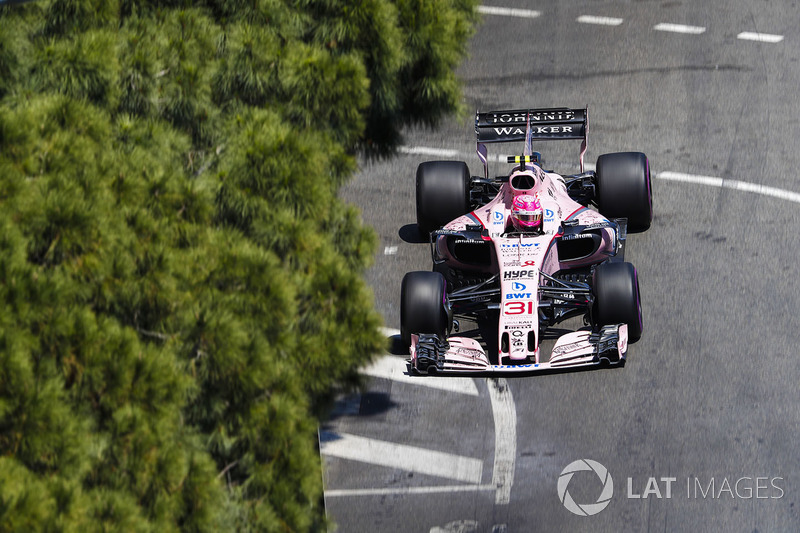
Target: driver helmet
526, 213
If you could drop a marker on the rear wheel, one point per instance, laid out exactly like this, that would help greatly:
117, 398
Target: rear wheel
623, 188
442, 193
423, 306
616, 291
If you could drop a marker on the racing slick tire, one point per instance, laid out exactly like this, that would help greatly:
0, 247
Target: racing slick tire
623, 189
442, 193
423, 305
616, 298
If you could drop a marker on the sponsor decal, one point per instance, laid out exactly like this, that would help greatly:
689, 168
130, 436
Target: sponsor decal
518, 296
597, 225
517, 340
522, 244
469, 352
499, 216
516, 263
517, 286
520, 274
536, 130
548, 215
506, 118
567, 348
519, 325
470, 241
575, 236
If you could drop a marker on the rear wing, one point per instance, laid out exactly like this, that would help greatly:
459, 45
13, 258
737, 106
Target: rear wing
530, 125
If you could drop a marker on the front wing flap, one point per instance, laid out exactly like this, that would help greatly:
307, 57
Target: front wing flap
460, 355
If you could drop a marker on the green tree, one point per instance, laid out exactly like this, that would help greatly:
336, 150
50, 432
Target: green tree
171, 326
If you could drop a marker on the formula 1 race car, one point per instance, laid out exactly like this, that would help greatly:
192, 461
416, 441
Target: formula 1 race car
491, 257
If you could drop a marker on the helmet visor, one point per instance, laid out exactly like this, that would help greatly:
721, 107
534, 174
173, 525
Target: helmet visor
529, 218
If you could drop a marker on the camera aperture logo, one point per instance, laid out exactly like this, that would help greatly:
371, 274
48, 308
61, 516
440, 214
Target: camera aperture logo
585, 509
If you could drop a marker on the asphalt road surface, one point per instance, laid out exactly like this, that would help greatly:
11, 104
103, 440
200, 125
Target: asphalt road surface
700, 430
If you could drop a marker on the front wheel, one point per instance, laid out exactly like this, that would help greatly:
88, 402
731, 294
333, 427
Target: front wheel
423, 305
616, 298
623, 189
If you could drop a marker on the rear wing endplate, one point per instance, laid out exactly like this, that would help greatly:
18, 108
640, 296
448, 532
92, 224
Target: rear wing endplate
528, 125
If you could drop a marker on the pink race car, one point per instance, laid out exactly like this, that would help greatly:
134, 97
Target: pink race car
527, 248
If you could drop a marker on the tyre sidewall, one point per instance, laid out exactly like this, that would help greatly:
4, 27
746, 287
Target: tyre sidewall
423, 307
624, 188
442, 193
617, 298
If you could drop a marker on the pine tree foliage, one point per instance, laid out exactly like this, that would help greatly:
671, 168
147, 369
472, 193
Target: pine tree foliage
181, 288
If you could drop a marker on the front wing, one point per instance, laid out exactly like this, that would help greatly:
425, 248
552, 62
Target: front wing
461, 355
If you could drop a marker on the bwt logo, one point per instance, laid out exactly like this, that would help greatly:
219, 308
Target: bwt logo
585, 509
517, 286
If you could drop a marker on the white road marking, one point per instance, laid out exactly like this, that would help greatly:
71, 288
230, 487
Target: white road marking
760, 37
614, 21
604, 21
431, 489
503, 411
423, 150
736, 185
505, 439
407, 458
396, 369
508, 12
679, 28
390, 250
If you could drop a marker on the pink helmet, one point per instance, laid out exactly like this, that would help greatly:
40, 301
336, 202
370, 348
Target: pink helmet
526, 213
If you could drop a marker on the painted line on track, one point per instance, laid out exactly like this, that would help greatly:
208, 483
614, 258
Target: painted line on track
401, 456
667, 175
445, 153
505, 439
760, 37
736, 185
424, 150
603, 21
615, 21
679, 28
431, 489
508, 12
